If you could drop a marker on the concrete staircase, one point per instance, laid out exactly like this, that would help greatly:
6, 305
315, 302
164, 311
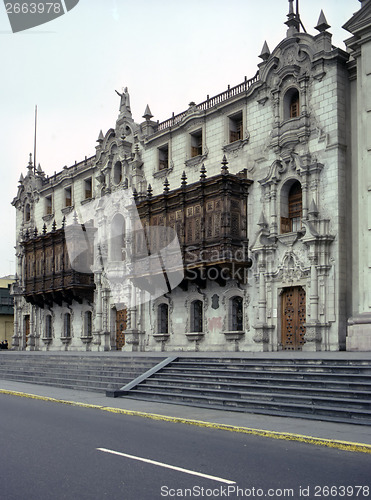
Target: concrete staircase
73, 371
325, 389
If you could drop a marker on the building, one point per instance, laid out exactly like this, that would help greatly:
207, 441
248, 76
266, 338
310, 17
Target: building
267, 186
6, 310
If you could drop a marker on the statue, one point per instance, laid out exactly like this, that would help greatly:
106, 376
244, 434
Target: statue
125, 101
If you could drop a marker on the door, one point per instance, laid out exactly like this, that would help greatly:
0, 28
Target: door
121, 317
293, 318
26, 328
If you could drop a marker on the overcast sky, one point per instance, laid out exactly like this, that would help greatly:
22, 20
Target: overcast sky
167, 52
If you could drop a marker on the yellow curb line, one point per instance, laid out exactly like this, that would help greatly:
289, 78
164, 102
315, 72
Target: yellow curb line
329, 443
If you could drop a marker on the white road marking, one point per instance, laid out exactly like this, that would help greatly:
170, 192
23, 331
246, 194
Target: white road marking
160, 464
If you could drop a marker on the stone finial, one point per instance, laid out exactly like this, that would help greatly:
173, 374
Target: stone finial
203, 172
166, 186
225, 165
293, 20
30, 164
184, 179
54, 226
149, 191
322, 24
21, 179
265, 53
35, 232
44, 228
147, 114
313, 210
100, 137
262, 220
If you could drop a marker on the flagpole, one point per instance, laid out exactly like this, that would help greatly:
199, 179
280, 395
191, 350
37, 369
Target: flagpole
34, 150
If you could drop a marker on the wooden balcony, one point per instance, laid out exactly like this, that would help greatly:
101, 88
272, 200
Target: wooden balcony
48, 275
210, 219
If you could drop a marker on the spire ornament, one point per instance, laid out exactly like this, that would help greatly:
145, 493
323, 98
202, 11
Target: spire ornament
225, 165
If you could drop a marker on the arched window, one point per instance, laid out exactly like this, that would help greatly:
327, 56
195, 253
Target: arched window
27, 212
196, 316
48, 326
117, 173
163, 318
236, 311
117, 240
293, 209
88, 324
67, 325
291, 104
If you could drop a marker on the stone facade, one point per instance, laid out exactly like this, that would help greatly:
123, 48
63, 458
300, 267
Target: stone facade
296, 135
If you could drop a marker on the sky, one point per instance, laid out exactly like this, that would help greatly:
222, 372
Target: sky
167, 52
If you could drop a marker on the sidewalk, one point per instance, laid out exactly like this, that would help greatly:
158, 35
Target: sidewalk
290, 427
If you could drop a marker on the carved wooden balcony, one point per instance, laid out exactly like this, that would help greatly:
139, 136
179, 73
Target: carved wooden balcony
210, 219
48, 275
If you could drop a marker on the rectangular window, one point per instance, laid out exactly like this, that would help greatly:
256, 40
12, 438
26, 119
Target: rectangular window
67, 325
88, 191
196, 143
235, 127
163, 157
68, 197
88, 324
48, 205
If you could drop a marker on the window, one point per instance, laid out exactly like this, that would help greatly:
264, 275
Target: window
48, 326
27, 212
235, 127
88, 188
67, 325
163, 157
88, 324
236, 308
163, 318
48, 205
68, 197
196, 316
196, 143
294, 203
117, 173
291, 104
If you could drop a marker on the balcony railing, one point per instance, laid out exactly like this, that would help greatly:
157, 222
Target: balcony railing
211, 101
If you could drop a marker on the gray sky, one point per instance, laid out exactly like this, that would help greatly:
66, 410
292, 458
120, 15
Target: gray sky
167, 52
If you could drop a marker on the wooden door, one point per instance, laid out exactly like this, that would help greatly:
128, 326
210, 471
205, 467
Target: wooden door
121, 317
26, 329
293, 318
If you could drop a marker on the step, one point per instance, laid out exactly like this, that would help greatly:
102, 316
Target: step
232, 386
342, 385
261, 396
260, 407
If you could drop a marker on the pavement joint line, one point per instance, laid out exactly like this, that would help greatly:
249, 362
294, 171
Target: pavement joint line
287, 436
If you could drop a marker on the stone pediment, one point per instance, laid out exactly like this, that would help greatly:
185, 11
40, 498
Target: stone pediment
360, 20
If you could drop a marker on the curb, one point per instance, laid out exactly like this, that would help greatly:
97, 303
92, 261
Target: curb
329, 443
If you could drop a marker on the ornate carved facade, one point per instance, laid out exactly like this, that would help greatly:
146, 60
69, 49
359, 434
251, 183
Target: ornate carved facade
265, 187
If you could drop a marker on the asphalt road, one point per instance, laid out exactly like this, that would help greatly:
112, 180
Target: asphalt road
55, 451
